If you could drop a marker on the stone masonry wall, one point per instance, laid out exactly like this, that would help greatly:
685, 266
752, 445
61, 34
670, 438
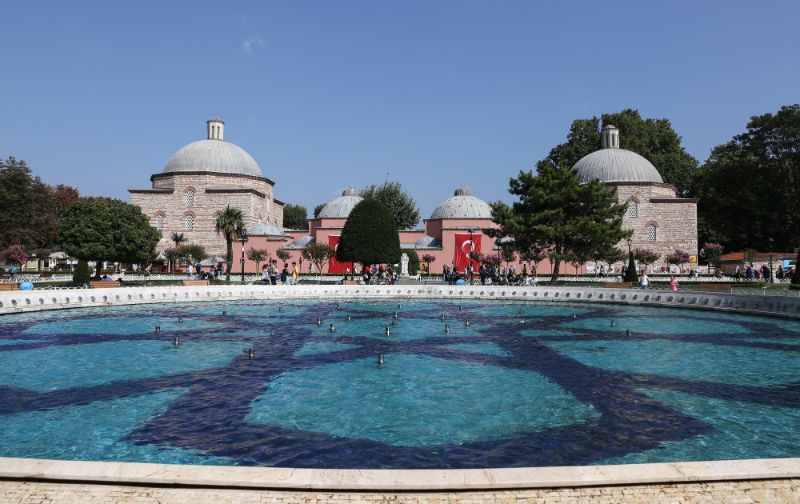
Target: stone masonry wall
676, 222
175, 208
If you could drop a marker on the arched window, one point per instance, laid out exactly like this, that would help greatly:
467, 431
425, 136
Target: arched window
159, 221
651, 232
633, 208
190, 197
189, 222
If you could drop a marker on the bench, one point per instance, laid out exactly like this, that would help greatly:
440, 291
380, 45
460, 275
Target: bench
194, 282
712, 287
104, 284
350, 282
9, 286
617, 285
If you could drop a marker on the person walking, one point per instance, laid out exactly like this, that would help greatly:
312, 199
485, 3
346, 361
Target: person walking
644, 280
673, 283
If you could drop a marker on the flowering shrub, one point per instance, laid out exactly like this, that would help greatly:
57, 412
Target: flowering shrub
14, 255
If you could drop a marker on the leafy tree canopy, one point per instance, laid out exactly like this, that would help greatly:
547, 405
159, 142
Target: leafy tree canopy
318, 254
653, 139
572, 221
295, 217
370, 235
749, 188
103, 229
193, 251
318, 209
31, 208
402, 206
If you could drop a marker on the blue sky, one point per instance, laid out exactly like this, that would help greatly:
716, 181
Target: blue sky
329, 94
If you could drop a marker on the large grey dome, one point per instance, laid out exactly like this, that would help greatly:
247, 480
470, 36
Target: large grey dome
213, 156
462, 205
340, 208
612, 164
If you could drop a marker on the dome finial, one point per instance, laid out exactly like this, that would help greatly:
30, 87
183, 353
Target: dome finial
609, 137
216, 129
350, 191
462, 191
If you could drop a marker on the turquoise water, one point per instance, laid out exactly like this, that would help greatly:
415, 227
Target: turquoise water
532, 384
416, 401
52, 368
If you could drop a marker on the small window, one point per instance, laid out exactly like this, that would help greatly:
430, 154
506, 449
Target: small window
189, 198
651, 232
633, 209
190, 222
160, 222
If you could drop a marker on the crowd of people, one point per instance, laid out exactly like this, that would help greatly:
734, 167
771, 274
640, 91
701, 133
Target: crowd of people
488, 274
753, 273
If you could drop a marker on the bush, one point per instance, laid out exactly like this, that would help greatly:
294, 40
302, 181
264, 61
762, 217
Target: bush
82, 273
413, 262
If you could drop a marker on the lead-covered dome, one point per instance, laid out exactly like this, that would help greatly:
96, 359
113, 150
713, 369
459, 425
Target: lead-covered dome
612, 164
213, 155
462, 205
340, 208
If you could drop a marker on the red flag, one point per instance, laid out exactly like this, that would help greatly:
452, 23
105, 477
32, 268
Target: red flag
335, 266
464, 245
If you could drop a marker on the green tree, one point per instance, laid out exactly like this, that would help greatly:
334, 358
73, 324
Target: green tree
231, 224
283, 254
81, 275
31, 208
102, 229
257, 255
749, 188
178, 239
630, 273
653, 139
295, 217
402, 206
192, 252
554, 212
319, 255
318, 209
413, 262
370, 235
646, 256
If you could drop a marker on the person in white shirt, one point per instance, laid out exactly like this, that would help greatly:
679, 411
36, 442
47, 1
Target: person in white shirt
645, 280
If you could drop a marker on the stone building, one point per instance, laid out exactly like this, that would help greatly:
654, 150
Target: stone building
660, 220
198, 182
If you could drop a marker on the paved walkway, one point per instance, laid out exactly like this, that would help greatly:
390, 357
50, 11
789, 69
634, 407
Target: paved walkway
785, 491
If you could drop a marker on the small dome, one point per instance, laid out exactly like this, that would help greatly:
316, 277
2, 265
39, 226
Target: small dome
428, 242
462, 205
340, 208
302, 242
264, 229
213, 156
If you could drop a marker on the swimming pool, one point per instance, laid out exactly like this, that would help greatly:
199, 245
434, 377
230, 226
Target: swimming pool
535, 384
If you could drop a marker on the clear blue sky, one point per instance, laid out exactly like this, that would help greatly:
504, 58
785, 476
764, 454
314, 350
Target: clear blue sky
328, 94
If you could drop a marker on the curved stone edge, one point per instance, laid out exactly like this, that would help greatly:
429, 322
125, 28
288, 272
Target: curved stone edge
396, 479
35, 300
409, 479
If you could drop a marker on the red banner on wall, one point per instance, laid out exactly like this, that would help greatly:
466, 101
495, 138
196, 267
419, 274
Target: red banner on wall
464, 245
335, 266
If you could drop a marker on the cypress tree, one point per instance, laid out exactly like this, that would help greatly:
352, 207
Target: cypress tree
370, 235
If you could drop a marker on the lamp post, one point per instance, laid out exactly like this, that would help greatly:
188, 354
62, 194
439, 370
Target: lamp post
771, 271
243, 239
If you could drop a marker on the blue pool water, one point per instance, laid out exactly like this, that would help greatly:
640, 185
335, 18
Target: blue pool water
521, 385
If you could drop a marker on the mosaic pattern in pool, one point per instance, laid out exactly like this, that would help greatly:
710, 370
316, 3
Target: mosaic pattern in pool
521, 385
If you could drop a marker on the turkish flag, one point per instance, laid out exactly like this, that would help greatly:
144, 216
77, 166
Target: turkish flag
335, 266
465, 245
